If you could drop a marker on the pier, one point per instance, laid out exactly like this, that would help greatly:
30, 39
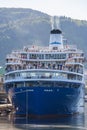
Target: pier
5, 105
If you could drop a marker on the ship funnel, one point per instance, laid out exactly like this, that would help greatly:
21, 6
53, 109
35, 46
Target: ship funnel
56, 41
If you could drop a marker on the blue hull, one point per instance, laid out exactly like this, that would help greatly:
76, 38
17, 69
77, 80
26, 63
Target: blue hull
48, 101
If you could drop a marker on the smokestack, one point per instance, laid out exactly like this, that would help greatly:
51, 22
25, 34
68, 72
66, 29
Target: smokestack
56, 40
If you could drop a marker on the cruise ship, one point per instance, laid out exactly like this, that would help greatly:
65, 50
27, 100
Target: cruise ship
46, 82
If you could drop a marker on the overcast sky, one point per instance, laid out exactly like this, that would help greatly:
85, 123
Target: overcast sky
76, 9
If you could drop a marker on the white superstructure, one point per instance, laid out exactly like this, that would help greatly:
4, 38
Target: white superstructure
55, 61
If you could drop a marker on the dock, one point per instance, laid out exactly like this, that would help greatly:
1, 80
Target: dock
5, 105
5, 108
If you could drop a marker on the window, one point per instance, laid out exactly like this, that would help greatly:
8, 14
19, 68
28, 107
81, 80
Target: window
19, 84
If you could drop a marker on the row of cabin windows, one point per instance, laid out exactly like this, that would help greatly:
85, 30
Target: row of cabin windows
44, 56
48, 56
26, 75
43, 84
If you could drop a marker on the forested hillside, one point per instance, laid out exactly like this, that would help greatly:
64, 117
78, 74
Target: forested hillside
20, 27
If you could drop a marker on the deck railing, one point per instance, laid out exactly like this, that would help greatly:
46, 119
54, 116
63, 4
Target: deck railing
42, 75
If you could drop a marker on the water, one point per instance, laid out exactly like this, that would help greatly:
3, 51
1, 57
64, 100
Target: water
76, 122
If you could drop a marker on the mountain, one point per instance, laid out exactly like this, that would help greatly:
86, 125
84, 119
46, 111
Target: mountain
20, 27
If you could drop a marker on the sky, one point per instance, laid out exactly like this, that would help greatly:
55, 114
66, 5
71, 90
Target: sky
76, 9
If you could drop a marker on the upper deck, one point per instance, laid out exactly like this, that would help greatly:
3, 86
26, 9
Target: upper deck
68, 59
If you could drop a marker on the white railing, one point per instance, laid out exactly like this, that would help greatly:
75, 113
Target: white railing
42, 75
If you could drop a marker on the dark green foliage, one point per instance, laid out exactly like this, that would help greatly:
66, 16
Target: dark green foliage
20, 27
1, 71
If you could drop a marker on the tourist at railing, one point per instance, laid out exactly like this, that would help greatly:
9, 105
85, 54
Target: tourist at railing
45, 66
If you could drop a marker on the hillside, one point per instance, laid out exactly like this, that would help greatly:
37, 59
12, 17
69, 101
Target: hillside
20, 27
